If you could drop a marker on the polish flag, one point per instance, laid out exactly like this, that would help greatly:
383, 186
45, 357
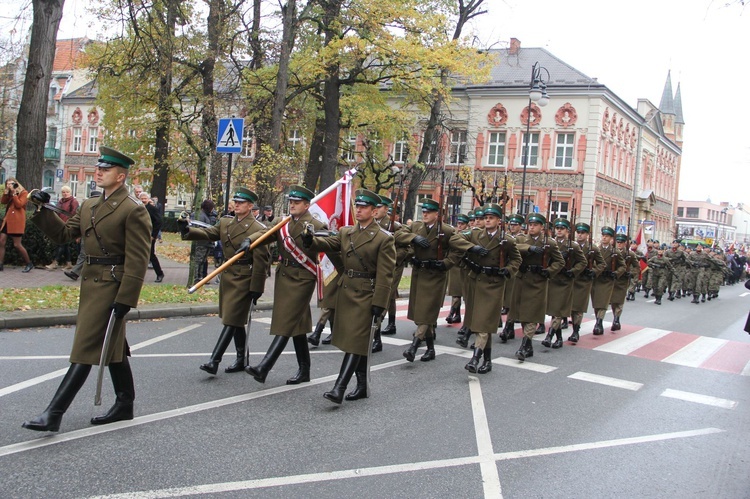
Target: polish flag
641, 241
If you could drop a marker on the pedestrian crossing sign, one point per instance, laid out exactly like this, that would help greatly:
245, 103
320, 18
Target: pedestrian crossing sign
622, 229
230, 135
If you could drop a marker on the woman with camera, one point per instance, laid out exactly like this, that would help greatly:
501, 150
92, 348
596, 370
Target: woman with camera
14, 223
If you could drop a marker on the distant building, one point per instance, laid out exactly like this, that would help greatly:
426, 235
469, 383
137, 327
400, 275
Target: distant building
706, 222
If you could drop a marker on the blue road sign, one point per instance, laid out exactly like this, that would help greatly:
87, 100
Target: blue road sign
621, 229
230, 135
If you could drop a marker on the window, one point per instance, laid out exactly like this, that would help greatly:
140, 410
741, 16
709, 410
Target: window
48, 178
295, 138
533, 157
76, 146
93, 140
89, 185
350, 147
564, 152
51, 137
432, 157
247, 142
496, 150
680, 211
692, 212
73, 181
2, 175
401, 150
458, 147
559, 209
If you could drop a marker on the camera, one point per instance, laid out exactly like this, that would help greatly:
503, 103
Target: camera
15, 185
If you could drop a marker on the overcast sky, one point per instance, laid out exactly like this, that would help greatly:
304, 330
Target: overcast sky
629, 47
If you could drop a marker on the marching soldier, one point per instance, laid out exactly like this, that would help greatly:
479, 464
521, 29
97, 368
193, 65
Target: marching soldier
296, 278
679, 263
660, 269
651, 249
541, 261
242, 283
515, 232
560, 287
620, 289
476, 219
491, 260
115, 230
601, 291
369, 258
700, 263
437, 248
635, 271
718, 271
456, 277
584, 282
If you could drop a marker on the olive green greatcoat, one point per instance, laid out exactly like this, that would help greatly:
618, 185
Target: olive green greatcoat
330, 290
484, 293
530, 290
402, 254
123, 227
622, 283
560, 288
427, 291
601, 290
294, 285
369, 250
511, 282
238, 280
582, 284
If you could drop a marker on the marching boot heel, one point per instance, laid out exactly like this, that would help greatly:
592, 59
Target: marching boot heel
348, 365
703, 298
616, 324
511, 330
564, 323
303, 361
671, 296
695, 299
51, 418
599, 327
430, 353
559, 341
573, 338
314, 338
471, 366
411, 352
547, 341
540, 329
240, 338
260, 371
212, 366
487, 363
526, 350
391, 327
463, 337
377, 342
360, 391
122, 380
452, 316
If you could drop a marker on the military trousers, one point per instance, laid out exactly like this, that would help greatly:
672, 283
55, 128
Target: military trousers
659, 281
576, 318
425, 331
529, 328
617, 309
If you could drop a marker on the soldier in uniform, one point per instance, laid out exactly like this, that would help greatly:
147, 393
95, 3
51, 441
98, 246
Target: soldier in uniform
456, 278
601, 291
635, 271
560, 287
491, 260
622, 284
369, 258
328, 304
660, 268
679, 263
436, 250
241, 283
115, 231
700, 263
651, 249
296, 278
477, 214
584, 282
718, 271
515, 232
541, 261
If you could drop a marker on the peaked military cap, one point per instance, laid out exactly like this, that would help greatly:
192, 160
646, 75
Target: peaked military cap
583, 227
479, 211
494, 209
386, 201
109, 158
608, 231
677, 241
562, 222
462, 218
430, 205
363, 197
621, 238
300, 193
516, 218
536, 218
471, 215
245, 194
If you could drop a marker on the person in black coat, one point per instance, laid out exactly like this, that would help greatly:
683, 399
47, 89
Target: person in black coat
153, 212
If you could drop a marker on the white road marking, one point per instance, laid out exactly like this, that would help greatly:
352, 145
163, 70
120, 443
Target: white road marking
696, 352
744, 294
699, 399
262, 320
34, 357
746, 370
528, 366
61, 372
606, 380
588, 327
490, 476
217, 488
632, 342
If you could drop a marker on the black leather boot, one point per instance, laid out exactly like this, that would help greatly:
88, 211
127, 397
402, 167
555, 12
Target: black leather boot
507, 330
671, 296
526, 349
122, 380
678, 294
564, 324
573, 338
348, 365
314, 338
212, 366
695, 299
559, 341
472, 365
303, 361
360, 392
51, 418
647, 291
547, 341
260, 371
327, 340
377, 342
463, 339
540, 329
599, 327
511, 330
703, 298
430, 353
630, 297
240, 337
411, 352
455, 312
658, 300
616, 324
391, 327
487, 363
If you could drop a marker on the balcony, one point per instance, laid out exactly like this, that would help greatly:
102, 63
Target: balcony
51, 153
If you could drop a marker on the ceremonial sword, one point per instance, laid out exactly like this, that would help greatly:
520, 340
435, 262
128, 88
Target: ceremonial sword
103, 358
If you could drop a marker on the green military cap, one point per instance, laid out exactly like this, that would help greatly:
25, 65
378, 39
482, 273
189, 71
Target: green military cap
462, 218
479, 211
536, 218
471, 215
583, 227
430, 205
363, 197
299, 193
516, 218
562, 222
109, 158
608, 231
386, 201
494, 209
245, 194
621, 238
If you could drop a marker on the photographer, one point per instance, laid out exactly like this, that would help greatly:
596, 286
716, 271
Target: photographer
14, 223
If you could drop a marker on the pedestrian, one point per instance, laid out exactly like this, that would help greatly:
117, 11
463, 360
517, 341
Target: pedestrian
13, 225
206, 215
76, 270
369, 257
604, 283
116, 229
296, 278
69, 204
241, 283
268, 214
153, 212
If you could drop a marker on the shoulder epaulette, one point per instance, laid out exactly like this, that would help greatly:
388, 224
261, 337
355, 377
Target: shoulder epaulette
134, 199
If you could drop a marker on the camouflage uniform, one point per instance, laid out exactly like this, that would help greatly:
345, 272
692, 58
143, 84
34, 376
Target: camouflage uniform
660, 269
679, 263
700, 262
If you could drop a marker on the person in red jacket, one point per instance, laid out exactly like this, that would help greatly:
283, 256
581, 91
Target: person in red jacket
68, 203
14, 223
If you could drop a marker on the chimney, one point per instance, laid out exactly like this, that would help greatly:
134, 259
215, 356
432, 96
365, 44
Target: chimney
515, 44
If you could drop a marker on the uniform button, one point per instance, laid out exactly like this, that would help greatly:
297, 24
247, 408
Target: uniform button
96, 279
85, 278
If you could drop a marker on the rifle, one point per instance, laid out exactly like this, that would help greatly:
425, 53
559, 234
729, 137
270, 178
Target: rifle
397, 201
440, 234
502, 221
615, 253
546, 230
568, 263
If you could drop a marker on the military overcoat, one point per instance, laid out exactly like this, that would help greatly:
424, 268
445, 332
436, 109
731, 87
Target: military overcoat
530, 290
620, 289
560, 288
403, 253
116, 227
601, 290
583, 283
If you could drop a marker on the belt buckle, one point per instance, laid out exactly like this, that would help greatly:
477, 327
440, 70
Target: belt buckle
350, 273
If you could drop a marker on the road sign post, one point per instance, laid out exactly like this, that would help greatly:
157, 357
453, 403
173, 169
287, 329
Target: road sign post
229, 141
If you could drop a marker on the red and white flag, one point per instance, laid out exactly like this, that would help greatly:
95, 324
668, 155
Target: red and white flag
641, 241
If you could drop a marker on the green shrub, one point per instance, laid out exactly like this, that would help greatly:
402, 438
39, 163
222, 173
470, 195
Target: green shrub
40, 248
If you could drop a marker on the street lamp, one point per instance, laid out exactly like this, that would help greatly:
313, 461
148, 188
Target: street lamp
537, 94
718, 224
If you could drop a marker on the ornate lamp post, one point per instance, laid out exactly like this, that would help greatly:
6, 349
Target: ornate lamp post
538, 95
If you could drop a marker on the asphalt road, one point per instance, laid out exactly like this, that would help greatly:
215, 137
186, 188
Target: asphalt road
660, 409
